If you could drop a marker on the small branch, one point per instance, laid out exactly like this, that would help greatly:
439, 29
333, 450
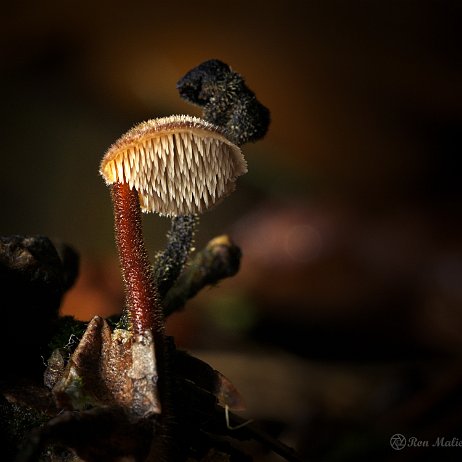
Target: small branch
170, 262
253, 431
218, 260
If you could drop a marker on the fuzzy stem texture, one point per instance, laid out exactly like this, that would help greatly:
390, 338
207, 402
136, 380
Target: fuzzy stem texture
143, 304
142, 299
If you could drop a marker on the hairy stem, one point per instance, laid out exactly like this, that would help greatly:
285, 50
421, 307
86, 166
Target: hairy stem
142, 299
143, 304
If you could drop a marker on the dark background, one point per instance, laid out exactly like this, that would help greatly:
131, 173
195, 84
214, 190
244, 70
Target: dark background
344, 324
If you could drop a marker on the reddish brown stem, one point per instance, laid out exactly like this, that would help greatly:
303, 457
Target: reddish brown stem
142, 299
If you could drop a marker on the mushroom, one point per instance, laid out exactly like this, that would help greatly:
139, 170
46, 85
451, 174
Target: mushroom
179, 164
174, 166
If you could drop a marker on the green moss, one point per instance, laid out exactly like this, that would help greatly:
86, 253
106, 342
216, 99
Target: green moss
67, 334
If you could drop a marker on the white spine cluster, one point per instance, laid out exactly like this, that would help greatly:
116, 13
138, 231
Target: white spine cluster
179, 165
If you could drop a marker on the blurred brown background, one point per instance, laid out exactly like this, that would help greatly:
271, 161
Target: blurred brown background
343, 325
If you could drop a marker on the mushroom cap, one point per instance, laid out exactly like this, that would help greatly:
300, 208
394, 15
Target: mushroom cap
180, 165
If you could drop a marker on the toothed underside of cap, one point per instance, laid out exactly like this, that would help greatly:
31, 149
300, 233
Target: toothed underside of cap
180, 165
